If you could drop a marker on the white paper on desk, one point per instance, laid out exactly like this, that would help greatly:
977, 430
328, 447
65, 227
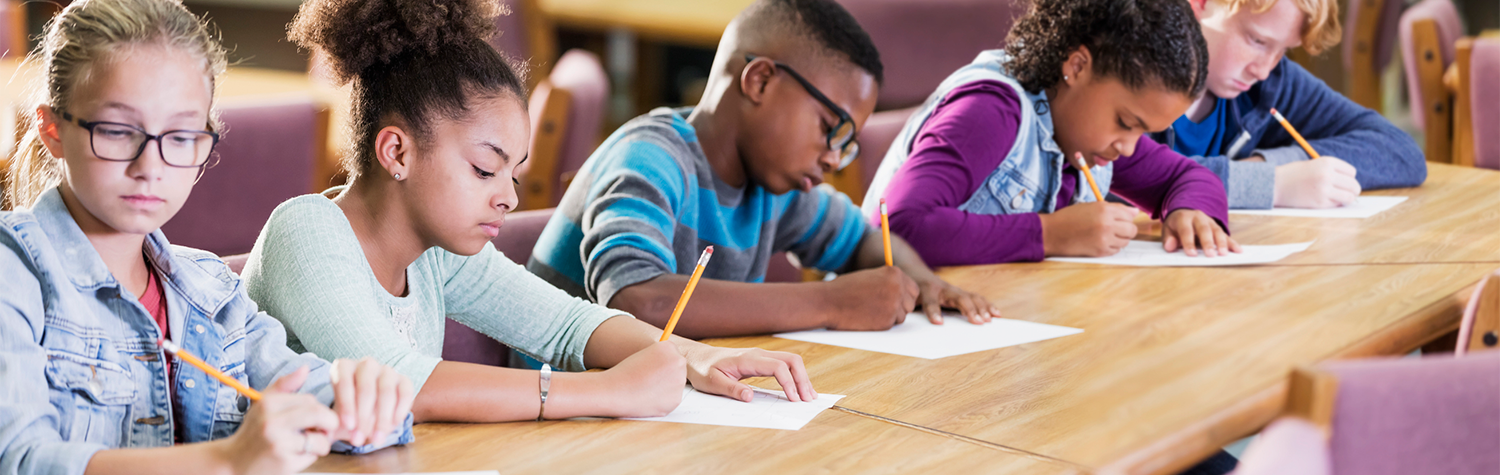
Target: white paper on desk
1367, 206
919, 338
1150, 254
479, 472
767, 410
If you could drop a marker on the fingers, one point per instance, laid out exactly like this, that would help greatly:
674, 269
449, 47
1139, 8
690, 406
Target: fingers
316, 443
341, 374
966, 307
800, 380
289, 383
405, 395
366, 378
931, 306
1205, 228
1234, 246
385, 404
1169, 241
1186, 238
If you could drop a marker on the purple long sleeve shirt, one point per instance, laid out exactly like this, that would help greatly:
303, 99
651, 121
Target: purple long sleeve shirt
968, 136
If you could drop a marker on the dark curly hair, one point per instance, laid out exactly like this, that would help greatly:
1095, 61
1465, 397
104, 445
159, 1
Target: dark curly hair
1139, 42
407, 58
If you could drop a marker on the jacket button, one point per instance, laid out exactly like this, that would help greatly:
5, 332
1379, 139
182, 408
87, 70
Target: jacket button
189, 384
200, 329
1018, 201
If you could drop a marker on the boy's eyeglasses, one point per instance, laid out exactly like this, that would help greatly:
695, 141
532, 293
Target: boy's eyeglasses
116, 142
841, 138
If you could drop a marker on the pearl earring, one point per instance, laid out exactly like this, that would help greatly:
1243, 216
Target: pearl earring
398, 176
1065, 77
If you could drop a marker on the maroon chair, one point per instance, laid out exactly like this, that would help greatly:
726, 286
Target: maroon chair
1449, 30
517, 236
921, 42
567, 118
1390, 416
1484, 102
268, 154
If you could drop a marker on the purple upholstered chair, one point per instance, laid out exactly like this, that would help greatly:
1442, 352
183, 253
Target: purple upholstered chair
875, 140
1396, 416
567, 118
1484, 64
517, 236
923, 41
1449, 29
267, 155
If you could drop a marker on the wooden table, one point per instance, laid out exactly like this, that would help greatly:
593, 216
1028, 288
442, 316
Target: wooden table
1173, 363
835, 442
695, 22
1454, 217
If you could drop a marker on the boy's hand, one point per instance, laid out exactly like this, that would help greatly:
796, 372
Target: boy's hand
719, 371
1088, 229
872, 299
1322, 183
936, 294
1190, 229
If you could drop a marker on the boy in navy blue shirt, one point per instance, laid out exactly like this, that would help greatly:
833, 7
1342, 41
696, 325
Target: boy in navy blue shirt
1230, 129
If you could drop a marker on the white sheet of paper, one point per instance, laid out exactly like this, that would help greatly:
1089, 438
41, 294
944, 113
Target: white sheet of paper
478, 472
769, 409
1367, 206
1150, 254
919, 338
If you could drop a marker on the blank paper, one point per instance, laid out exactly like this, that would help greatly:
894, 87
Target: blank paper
1367, 206
1146, 253
919, 338
767, 410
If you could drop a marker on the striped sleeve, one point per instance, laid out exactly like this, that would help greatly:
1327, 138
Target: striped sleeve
822, 228
630, 217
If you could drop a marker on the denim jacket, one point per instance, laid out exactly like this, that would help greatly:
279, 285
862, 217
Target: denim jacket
79, 367
1029, 178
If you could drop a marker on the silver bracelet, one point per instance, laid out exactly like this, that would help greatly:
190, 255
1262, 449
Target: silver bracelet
545, 385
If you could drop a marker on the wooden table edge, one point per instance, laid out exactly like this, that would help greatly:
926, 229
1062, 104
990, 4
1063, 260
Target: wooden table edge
1178, 451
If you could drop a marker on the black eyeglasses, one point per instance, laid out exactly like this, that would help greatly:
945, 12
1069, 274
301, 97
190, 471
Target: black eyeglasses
842, 134
116, 142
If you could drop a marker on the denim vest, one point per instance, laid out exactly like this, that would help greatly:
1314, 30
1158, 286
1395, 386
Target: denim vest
80, 370
1027, 181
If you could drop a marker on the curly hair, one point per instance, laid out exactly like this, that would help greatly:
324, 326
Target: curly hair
1139, 42
411, 59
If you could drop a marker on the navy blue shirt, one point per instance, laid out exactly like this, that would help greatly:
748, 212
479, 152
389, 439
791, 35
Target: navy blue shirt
1203, 138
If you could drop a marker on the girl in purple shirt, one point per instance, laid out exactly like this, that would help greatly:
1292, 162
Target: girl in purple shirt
985, 172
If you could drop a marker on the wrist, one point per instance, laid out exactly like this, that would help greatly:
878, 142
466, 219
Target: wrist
1049, 248
825, 295
218, 456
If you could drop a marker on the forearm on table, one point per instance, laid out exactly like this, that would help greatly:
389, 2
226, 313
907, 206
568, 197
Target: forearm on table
723, 308
203, 458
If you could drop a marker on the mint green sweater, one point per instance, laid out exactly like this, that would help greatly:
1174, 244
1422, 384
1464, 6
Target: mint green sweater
309, 270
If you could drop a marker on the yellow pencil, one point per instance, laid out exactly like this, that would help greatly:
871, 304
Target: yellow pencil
1084, 166
687, 292
210, 370
885, 233
1300, 141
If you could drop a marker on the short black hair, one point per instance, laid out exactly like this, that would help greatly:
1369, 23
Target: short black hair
406, 58
1139, 42
828, 23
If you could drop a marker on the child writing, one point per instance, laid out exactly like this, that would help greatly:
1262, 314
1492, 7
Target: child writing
792, 84
124, 129
987, 170
1229, 127
439, 126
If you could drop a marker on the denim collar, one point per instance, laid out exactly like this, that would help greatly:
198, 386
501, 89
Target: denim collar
87, 271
